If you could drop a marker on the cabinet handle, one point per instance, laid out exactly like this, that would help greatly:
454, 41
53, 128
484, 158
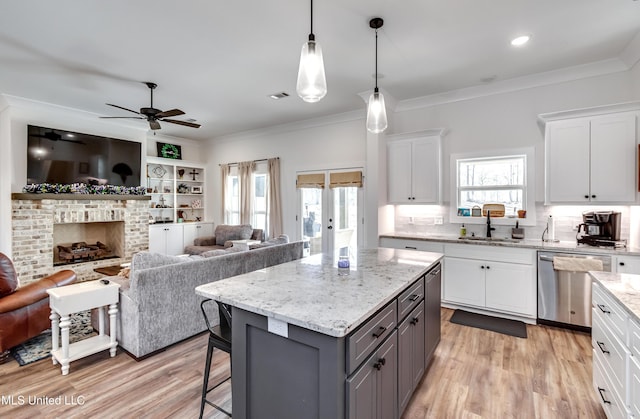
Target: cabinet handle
414, 297
601, 346
488, 267
482, 267
411, 247
414, 321
621, 263
593, 196
409, 198
600, 390
602, 308
378, 365
380, 331
586, 197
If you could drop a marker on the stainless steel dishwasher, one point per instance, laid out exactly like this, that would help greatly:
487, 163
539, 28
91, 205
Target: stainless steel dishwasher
564, 296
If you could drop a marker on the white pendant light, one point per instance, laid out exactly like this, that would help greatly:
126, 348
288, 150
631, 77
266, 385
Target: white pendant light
376, 111
312, 84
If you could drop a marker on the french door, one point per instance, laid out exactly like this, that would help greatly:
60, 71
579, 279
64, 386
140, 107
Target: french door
330, 216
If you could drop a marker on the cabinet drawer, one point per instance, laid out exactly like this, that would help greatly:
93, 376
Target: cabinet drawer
610, 312
611, 352
410, 298
605, 393
490, 253
364, 340
634, 384
423, 245
634, 339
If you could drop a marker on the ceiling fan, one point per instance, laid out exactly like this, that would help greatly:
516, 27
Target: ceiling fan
54, 136
152, 114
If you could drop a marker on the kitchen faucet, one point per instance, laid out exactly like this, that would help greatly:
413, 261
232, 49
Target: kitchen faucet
489, 228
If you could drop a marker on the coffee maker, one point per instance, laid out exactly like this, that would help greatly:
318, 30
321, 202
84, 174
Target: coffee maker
600, 228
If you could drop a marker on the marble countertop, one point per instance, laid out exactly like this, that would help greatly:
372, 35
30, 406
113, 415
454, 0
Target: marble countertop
625, 288
571, 246
309, 293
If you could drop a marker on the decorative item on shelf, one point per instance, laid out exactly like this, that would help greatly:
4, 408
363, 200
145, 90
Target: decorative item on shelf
180, 173
83, 189
193, 173
196, 189
476, 211
149, 190
167, 189
196, 203
464, 212
169, 151
522, 213
198, 219
159, 171
155, 189
183, 188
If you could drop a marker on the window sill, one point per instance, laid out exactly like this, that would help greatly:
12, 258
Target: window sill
507, 221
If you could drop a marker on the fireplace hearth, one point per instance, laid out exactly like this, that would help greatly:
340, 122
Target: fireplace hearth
82, 252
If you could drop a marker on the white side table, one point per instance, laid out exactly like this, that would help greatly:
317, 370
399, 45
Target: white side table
73, 299
244, 244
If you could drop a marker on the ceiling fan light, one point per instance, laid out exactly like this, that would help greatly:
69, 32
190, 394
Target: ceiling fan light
520, 41
376, 113
312, 84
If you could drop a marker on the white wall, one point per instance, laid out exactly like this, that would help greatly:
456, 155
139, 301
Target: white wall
329, 146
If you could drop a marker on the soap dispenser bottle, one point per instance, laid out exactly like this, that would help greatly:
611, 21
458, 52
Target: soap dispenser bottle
463, 231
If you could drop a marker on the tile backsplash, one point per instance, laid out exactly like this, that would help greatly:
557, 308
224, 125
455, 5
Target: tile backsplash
421, 219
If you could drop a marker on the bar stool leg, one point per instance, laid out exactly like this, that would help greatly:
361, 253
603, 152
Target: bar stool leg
205, 384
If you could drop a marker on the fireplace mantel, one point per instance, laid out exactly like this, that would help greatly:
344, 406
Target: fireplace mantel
78, 197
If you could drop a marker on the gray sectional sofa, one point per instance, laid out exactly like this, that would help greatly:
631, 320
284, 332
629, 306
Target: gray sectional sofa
158, 305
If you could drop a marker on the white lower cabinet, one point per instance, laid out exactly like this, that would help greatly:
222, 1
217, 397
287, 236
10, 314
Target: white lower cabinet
166, 239
493, 278
626, 264
634, 384
423, 245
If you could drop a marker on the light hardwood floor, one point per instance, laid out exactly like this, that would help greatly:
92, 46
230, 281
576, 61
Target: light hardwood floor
475, 374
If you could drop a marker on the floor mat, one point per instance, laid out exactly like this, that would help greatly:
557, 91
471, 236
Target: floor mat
495, 324
39, 347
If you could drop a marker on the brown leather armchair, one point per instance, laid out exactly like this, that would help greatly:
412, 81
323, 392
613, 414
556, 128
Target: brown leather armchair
24, 311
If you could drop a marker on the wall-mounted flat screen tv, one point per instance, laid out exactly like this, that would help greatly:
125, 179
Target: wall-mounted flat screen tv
59, 156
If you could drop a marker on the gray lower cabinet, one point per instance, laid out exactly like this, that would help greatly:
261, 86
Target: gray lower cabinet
411, 355
433, 299
372, 391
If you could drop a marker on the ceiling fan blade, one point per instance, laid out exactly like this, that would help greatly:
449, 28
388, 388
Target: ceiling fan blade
186, 124
123, 117
154, 125
172, 112
120, 107
74, 141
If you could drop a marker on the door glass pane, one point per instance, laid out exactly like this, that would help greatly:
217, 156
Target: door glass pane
346, 220
312, 218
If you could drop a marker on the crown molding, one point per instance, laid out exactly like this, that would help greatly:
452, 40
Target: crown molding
631, 54
598, 68
440, 132
586, 112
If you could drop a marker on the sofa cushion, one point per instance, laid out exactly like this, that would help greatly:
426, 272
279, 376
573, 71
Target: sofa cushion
225, 233
8, 276
145, 260
220, 252
282, 239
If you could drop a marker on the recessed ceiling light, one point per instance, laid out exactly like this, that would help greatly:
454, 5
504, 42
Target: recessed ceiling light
69, 135
521, 40
279, 95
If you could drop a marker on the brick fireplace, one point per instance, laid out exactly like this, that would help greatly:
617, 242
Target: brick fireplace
41, 222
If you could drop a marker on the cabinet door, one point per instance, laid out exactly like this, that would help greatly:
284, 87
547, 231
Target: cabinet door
567, 161
613, 158
175, 239
634, 383
361, 393
411, 358
464, 281
511, 287
425, 166
166, 239
387, 379
157, 241
399, 172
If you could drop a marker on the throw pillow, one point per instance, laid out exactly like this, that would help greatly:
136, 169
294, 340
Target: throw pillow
220, 252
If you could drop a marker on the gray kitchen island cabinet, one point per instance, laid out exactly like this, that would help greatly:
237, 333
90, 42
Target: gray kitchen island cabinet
309, 343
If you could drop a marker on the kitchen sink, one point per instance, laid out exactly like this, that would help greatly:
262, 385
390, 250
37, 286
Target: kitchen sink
490, 239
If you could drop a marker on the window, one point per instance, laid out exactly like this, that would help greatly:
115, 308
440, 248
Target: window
506, 179
259, 200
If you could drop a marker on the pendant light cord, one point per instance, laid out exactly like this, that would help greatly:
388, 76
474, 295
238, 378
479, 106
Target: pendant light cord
376, 89
311, 34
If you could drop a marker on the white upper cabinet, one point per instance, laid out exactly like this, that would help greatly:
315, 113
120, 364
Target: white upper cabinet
414, 167
591, 159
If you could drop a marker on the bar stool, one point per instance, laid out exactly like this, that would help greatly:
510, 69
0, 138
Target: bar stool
219, 337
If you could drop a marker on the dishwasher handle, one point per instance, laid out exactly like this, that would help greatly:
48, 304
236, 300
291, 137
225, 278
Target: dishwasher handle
550, 258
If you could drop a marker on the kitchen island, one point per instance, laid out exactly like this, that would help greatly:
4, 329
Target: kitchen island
310, 343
